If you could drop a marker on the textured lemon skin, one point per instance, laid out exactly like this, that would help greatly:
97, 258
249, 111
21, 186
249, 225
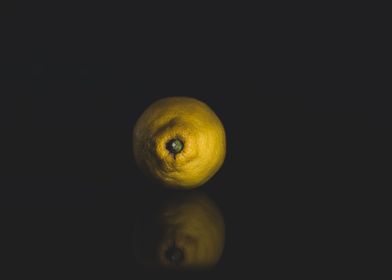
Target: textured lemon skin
193, 222
193, 123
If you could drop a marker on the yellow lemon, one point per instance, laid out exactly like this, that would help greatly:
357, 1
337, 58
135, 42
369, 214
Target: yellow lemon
180, 141
187, 232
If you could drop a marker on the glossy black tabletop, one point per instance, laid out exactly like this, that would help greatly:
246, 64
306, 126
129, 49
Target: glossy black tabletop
292, 189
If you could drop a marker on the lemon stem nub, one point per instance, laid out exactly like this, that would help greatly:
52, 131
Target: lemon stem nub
174, 255
174, 146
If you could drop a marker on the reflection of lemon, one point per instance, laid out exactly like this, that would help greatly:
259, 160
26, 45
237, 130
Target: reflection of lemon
187, 233
179, 141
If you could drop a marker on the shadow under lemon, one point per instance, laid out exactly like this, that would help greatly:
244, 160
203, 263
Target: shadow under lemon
185, 231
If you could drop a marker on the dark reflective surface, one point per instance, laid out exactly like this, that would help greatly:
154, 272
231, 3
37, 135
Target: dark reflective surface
303, 147
185, 231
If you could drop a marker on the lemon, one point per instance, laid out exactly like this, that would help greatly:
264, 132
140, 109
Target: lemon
187, 232
180, 142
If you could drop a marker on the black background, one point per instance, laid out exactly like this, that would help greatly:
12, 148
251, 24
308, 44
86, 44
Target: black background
303, 136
